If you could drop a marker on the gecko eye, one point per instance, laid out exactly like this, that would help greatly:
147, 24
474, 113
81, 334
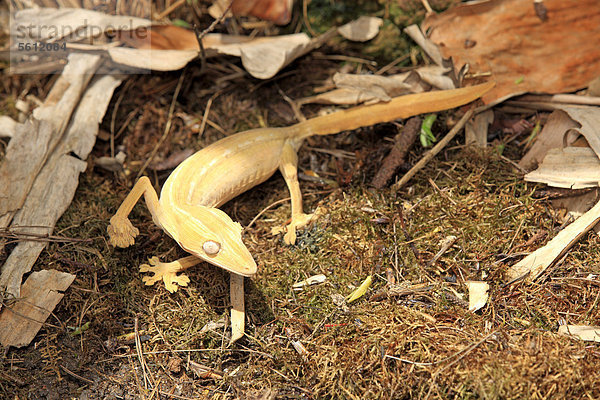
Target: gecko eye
211, 247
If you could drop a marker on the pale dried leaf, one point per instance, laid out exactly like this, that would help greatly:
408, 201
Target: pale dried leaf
312, 280
583, 332
362, 29
571, 167
436, 76
8, 126
427, 45
478, 294
476, 131
40, 293
550, 137
157, 60
589, 119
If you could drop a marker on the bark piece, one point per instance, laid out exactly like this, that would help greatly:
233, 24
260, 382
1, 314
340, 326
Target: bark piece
41, 292
54, 186
397, 156
35, 140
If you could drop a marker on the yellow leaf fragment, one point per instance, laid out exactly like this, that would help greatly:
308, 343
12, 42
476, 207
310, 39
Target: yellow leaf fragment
361, 290
478, 294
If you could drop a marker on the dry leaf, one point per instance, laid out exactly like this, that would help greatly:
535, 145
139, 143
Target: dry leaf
523, 53
8, 126
278, 11
571, 167
478, 294
583, 332
589, 121
362, 29
476, 131
550, 137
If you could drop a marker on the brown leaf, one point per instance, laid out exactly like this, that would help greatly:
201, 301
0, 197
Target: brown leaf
522, 52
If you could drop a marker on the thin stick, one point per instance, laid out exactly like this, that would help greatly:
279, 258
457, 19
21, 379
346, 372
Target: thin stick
170, 9
427, 6
305, 17
433, 152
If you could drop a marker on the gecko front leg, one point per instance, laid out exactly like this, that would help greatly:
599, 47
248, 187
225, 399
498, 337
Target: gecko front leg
289, 169
121, 232
167, 272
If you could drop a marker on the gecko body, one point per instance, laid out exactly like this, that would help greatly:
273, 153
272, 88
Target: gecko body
187, 209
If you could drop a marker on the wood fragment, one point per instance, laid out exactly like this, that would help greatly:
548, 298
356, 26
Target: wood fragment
238, 316
41, 292
536, 263
403, 142
434, 151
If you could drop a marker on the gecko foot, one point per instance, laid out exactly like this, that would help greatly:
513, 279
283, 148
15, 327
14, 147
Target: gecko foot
165, 271
121, 232
298, 222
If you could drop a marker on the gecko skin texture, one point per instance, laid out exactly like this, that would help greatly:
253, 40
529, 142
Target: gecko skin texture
187, 209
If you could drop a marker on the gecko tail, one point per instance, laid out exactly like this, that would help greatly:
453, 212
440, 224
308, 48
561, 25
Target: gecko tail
399, 107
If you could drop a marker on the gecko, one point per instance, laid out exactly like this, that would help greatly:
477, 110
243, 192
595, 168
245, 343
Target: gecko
188, 206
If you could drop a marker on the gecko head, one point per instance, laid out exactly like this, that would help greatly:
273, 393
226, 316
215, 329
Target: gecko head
210, 234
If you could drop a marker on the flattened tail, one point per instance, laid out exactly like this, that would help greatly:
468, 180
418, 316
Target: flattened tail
399, 107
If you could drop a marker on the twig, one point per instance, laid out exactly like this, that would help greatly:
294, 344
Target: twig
167, 126
403, 141
434, 151
170, 9
140, 354
427, 6
215, 22
305, 17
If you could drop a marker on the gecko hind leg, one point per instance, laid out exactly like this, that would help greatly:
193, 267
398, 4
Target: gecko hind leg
167, 272
289, 170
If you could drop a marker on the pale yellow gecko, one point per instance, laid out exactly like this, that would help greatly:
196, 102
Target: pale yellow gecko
187, 209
